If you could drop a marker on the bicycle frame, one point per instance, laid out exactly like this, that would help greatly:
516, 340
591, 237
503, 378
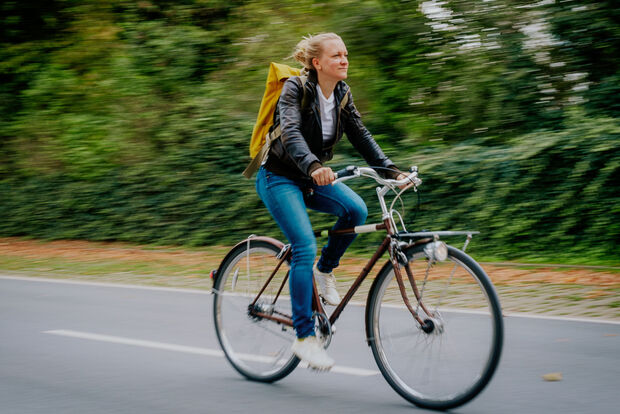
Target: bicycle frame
317, 305
413, 347
392, 243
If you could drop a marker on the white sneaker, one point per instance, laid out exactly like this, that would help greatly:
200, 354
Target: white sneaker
327, 286
310, 350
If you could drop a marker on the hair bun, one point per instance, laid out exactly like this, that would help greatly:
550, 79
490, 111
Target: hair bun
310, 47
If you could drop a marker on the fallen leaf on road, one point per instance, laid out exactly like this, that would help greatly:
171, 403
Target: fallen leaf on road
553, 376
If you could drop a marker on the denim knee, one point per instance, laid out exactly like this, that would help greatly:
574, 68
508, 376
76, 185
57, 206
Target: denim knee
358, 213
304, 253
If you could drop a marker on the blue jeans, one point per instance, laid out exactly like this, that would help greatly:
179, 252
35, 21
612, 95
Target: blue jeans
287, 201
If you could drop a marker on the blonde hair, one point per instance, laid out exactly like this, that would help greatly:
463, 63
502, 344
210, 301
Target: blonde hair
311, 47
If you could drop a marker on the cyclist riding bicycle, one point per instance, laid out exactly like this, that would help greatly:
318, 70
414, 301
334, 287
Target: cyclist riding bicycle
294, 178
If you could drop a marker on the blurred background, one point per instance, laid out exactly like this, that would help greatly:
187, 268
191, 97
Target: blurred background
130, 120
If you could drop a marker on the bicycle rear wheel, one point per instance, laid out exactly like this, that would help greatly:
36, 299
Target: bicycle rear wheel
258, 348
452, 363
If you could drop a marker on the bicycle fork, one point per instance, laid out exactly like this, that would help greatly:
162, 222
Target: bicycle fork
396, 257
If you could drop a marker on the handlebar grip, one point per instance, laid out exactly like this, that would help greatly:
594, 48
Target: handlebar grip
345, 172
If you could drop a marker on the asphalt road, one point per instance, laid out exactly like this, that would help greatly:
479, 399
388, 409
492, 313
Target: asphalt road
68, 347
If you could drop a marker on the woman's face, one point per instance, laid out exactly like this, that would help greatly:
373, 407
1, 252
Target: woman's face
333, 62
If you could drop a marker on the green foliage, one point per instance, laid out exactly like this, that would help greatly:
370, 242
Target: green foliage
124, 120
546, 192
590, 36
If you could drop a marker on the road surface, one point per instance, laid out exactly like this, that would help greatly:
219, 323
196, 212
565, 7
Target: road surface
72, 347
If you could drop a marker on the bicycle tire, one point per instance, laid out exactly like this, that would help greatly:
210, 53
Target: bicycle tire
451, 365
258, 348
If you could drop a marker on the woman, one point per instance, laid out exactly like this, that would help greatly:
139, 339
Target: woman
294, 178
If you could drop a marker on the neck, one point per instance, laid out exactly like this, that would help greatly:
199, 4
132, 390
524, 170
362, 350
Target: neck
327, 86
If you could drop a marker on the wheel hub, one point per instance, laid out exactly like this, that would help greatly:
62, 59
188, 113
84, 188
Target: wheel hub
263, 308
433, 326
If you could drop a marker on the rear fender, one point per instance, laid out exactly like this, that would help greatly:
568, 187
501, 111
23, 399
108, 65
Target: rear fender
233, 251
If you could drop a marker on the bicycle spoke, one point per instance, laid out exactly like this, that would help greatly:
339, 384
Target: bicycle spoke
251, 284
447, 362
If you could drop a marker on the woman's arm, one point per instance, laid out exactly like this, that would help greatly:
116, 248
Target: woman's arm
363, 141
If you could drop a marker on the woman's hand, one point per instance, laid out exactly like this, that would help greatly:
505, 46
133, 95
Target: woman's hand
402, 176
323, 176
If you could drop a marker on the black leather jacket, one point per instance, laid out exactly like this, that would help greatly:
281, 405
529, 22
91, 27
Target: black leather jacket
301, 150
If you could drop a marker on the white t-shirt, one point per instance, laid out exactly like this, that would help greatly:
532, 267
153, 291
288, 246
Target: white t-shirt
327, 114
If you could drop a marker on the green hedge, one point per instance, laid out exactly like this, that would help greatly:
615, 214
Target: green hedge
130, 121
548, 193
551, 193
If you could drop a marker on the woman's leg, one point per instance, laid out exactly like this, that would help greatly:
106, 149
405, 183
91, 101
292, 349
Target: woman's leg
285, 201
351, 210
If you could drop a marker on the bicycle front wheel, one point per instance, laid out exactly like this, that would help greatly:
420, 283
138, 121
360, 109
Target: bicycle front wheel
258, 348
451, 360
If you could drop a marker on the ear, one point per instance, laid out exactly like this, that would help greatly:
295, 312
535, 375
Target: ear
315, 63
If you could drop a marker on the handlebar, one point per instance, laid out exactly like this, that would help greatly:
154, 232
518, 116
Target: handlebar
353, 172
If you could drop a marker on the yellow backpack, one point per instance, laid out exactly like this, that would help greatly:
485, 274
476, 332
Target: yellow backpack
261, 138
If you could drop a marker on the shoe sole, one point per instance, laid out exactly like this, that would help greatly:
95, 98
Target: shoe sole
329, 303
319, 286
317, 368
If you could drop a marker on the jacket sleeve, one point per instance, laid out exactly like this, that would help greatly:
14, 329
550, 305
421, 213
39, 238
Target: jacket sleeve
363, 141
289, 108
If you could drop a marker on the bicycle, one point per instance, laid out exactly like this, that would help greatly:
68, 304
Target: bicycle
437, 340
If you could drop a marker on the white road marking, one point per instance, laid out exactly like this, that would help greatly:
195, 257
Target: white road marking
136, 342
190, 349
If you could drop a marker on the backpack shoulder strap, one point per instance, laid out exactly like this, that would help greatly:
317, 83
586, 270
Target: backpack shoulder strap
304, 97
256, 162
345, 99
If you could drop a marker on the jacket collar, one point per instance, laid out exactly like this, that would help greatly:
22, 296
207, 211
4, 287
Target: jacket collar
339, 91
